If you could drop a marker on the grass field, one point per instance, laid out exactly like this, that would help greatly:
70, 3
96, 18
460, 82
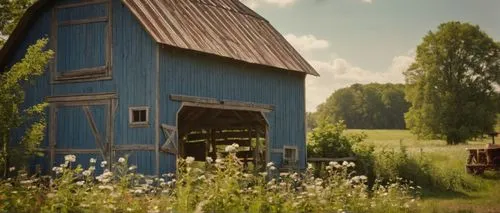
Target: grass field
485, 197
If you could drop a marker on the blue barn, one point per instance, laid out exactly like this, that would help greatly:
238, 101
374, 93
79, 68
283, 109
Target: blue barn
159, 79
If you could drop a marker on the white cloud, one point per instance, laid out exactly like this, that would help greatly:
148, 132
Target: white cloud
337, 72
367, 1
256, 3
306, 43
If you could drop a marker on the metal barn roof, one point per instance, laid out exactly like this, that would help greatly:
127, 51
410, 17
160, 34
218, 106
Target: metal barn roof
224, 28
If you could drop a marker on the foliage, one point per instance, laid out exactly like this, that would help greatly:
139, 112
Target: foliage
450, 85
331, 141
222, 187
13, 112
328, 140
370, 106
11, 12
391, 164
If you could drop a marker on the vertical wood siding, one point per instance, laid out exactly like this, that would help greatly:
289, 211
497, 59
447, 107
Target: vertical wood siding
206, 76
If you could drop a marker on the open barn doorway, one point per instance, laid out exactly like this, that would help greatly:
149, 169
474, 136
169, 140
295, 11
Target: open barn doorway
206, 131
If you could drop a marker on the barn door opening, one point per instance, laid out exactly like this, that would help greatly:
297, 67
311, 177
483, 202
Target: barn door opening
205, 132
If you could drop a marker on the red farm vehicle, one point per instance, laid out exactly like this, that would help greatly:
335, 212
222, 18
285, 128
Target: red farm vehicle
487, 158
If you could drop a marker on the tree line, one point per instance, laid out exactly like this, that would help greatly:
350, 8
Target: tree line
370, 106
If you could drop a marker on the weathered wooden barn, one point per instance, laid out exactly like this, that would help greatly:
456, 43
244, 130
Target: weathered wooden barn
158, 79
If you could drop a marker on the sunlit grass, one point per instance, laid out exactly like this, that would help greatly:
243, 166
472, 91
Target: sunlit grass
448, 160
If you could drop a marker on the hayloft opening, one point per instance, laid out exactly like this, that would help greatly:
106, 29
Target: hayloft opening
205, 132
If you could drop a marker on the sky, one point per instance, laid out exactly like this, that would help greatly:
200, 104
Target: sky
365, 41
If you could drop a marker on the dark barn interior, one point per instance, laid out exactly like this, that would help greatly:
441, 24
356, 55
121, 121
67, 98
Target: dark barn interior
205, 132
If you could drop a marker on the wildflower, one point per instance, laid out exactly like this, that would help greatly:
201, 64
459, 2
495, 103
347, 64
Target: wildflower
149, 181
202, 177
80, 183
161, 180
86, 173
230, 149
352, 164
309, 166
189, 160
218, 161
58, 170
209, 160
12, 169
70, 158
104, 163
121, 160
272, 168
270, 164
235, 145
132, 168
362, 177
92, 168
263, 174
138, 191
345, 163
93, 160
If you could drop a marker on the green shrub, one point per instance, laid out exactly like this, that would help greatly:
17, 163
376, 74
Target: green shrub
223, 186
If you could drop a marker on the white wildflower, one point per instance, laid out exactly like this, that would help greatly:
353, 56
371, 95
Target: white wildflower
132, 168
80, 183
272, 168
218, 161
230, 149
70, 158
189, 160
104, 163
121, 160
309, 166
86, 173
93, 160
12, 169
92, 168
352, 164
138, 191
270, 164
149, 181
235, 145
345, 163
209, 159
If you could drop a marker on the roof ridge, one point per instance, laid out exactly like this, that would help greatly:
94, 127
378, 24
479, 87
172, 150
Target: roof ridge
247, 11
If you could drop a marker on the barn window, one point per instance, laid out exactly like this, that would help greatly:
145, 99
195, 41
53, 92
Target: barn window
290, 156
139, 116
82, 41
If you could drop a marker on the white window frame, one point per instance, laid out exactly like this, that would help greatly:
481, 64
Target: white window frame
131, 116
290, 164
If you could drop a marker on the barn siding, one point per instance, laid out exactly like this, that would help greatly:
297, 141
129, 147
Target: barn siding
134, 55
205, 76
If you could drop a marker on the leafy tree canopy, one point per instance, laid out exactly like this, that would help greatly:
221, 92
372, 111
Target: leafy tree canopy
451, 83
370, 106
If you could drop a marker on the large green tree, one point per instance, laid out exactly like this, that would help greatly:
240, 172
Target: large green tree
450, 84
370, 106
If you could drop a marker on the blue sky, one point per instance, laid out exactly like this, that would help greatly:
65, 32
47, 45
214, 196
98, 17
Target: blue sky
363, 41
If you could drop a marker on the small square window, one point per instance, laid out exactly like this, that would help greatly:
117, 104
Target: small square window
290, 156
139, 116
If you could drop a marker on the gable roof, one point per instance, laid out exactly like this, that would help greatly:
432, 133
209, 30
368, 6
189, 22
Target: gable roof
225, 28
